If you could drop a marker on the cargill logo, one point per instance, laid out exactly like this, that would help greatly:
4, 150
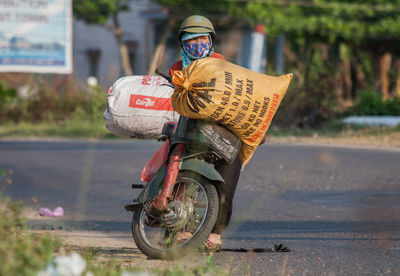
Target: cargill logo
151, 103
145, 102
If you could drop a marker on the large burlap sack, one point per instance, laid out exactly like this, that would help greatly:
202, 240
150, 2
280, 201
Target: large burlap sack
242, 100
138, 106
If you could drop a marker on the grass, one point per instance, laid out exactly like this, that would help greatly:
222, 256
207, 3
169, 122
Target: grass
25, 253
69, 129
77, 127
21, 253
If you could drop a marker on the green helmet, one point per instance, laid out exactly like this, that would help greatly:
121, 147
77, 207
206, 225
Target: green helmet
197, 24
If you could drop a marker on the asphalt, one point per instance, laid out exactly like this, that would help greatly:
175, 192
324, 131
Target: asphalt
337, 209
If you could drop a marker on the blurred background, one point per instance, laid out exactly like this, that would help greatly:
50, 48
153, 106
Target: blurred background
59, 57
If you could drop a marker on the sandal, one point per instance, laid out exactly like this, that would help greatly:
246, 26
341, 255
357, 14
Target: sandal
213, 243
181, 237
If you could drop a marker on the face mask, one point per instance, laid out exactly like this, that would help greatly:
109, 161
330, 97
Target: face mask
197, 49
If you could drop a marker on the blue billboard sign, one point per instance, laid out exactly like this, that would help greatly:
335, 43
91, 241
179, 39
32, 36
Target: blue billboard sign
36, 36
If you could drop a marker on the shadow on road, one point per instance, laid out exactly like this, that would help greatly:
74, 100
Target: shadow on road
81, 225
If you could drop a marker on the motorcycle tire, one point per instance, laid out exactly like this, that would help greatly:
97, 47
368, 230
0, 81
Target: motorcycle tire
154, 250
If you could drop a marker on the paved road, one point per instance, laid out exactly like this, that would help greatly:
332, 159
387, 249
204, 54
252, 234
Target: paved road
337, 209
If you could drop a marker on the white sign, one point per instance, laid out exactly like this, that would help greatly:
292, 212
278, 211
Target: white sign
36, 36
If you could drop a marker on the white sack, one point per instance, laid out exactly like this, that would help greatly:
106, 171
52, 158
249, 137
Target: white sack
138, 106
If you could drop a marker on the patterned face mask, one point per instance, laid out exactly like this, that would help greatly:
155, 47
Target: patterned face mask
197, 49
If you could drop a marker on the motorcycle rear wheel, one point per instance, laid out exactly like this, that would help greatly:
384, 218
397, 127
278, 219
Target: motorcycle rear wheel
158, 241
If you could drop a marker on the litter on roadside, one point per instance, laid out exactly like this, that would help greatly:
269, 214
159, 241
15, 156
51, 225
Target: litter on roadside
57, 212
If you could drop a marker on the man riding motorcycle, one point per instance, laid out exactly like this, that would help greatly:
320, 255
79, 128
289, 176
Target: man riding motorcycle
196, 39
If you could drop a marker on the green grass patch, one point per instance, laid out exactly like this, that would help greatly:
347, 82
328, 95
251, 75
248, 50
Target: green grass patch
25, 253
95, 129
68, 129
22, 253
79, 114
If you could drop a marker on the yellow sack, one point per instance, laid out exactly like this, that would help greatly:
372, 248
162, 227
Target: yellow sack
244, 101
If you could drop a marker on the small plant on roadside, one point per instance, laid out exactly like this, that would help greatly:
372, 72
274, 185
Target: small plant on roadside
20, 252
371, 103
95, 251
8, 99
48, 106
24, 253
7, 96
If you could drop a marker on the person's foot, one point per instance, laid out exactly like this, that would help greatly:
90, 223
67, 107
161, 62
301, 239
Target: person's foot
182, 237
214, 243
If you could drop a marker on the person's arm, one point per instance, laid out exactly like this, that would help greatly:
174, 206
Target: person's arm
176, 66
264, 139
216, 55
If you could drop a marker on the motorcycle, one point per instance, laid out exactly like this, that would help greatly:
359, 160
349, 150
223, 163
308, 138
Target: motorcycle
178, 208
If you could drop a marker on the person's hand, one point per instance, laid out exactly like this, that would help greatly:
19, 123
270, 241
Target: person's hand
264, 139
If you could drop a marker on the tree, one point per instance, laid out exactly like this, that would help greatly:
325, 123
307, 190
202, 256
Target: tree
335, 47
369, 25
104, 12
210, 8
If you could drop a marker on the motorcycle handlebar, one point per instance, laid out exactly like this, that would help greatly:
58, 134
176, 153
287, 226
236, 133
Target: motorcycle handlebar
168, 78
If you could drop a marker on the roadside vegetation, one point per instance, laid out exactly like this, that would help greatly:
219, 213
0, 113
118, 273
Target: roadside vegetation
79, 114
344, 56
25, 253
76, 113
337, 50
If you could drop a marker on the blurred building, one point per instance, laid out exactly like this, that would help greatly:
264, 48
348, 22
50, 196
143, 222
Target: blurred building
96, 52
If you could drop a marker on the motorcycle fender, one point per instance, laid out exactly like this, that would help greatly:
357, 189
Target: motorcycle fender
152, 189
202, 168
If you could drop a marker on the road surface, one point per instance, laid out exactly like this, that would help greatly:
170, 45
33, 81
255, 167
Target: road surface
337, 209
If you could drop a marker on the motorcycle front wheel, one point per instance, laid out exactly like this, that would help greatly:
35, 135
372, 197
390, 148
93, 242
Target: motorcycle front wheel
186, 224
